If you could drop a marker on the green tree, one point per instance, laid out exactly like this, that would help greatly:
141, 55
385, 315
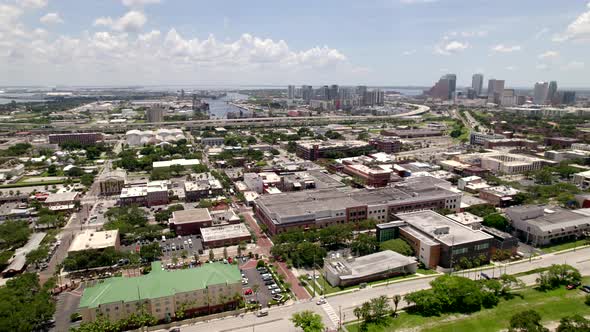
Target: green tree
398, 245
557, 275
176, 169
38, 255
496, 221
25, 305
543, 176
308, 321
576, 323
364, 244
150, 252
87, 180
526, 321
211, 255
52, 170
396, 300
14, 234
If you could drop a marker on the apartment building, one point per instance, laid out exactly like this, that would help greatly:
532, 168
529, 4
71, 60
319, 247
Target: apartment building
207, 289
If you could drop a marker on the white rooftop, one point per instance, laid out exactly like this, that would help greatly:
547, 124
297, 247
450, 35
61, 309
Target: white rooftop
90, 239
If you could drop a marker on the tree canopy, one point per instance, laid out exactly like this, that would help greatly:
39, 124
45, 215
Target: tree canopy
25, 305
308, 321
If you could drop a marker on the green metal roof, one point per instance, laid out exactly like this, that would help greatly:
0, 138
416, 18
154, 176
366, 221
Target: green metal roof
159, 283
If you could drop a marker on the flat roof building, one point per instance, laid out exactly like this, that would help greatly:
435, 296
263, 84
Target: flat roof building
323, 207
440, 241
186, 163
500, 196
95, 240
543, 225
62, 201
227, 235
343, 270
315, 149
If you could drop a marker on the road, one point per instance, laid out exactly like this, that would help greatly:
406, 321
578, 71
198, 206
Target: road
266, 121
344, 304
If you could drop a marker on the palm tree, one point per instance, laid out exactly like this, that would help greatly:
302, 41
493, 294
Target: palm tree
396, 299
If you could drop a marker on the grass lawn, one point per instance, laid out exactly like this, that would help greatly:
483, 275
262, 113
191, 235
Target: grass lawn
426, 271
552, 306
32, 184
564, 246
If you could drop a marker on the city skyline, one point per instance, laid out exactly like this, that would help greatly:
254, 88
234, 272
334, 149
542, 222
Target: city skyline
163, 42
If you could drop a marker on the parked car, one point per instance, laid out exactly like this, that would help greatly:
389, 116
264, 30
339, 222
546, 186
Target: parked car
262, 313
573, 286
248, 291
586, 288
321, 301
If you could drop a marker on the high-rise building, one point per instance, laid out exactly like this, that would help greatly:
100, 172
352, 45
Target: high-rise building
540, 93
568, 97
452, 78
444, 88
495, 91
552, 91
155, 114
508, 98
307, 92
333, 92
477, 83
291, 92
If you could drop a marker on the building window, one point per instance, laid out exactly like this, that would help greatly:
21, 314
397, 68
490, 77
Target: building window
482, 246
459, 251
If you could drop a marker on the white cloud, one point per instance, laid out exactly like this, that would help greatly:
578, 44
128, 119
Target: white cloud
511, 68
51, 18
548, 55
579, 29
132, 21
409, 52
501, 48
448, 47
33, 3
139, 3
119, 55
573, 65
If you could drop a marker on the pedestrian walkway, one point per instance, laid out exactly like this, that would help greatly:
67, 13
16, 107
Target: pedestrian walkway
331, 314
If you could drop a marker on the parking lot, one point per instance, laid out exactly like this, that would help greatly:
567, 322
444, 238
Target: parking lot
264, 294
172, 246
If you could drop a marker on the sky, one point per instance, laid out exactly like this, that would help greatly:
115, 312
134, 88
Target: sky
270, 42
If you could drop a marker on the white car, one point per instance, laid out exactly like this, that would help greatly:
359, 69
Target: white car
321, 301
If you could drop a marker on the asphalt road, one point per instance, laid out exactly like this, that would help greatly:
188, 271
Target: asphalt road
278, 318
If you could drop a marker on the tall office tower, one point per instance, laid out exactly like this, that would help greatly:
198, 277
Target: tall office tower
333, 92
181, 93
540, 93
552, 91
155, 114
361, 92
306, 92
452, 78
568, 97
477, 83
291, 92
495, 91
445, 87
196, 103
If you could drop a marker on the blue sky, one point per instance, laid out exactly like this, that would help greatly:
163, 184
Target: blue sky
373, 42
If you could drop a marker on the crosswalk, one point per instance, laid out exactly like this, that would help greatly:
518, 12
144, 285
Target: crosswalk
331, 313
